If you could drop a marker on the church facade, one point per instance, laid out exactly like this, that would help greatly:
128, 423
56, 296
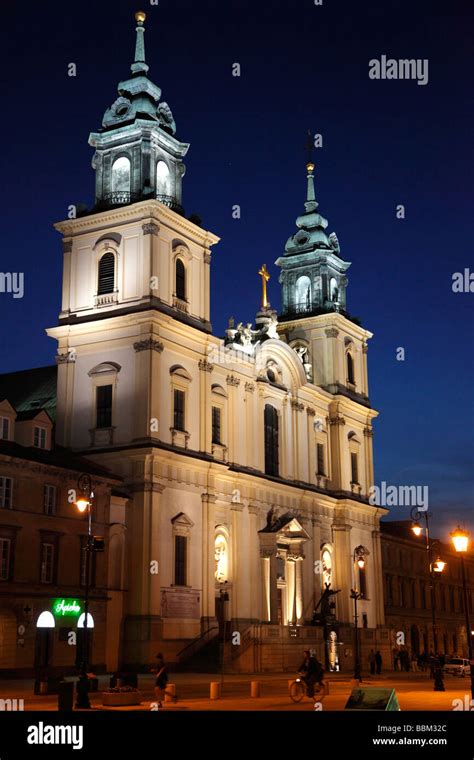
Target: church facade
247, 459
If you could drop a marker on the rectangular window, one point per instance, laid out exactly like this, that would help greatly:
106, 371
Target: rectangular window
39, 440
4, 428
47, 563
362, 582
216, 425
5, 549
104, 406
354, 469
388, 589
6, 488
49, 499
320, 454
180, 550
178, 416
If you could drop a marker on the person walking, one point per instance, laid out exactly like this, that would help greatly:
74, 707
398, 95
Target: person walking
414, 663
371, 659
378, 662
161, 680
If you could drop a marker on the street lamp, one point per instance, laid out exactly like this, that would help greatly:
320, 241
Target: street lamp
84, 504
433, 567
358, 558
460, 539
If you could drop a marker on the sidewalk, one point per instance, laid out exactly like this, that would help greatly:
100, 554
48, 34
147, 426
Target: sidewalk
414, 692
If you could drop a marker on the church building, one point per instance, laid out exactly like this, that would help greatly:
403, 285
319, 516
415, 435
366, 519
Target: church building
247, 458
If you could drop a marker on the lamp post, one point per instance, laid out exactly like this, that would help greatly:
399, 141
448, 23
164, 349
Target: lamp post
460, 539
433, 567
358, 558
84, 504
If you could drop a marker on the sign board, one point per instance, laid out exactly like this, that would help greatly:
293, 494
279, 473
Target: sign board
66, 608
180, 603
372, 699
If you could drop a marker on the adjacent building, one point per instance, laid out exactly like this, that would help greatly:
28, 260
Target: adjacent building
408, 598
43, 539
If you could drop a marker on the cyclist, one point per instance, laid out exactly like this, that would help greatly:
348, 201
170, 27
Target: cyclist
311, 671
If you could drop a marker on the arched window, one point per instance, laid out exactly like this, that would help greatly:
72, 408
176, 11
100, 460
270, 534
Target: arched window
121, 175
180, 280
106, 275
271, 440
333, 290
162, 179
350, 368
303, 294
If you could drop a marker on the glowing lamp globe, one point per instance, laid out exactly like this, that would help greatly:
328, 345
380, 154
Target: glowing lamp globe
82, 504
460, 539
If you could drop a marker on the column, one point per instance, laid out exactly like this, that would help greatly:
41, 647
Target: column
147, 387
205, 307
250, 424
299, 591
365, 382
265, 562
240, 564
369, 458
336, 433
205, 416
256, 611
331, 364
343, 570
307, 571
317, 583
66, 361
232, 384
290, 588
273, 589
208, 579
378, 578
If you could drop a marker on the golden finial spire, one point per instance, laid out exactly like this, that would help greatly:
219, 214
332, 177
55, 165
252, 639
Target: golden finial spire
263, 272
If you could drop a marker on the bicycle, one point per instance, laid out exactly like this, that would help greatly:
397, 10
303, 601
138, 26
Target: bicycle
299, 689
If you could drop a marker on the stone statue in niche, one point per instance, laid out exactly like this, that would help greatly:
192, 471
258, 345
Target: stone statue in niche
303, 353
220, 560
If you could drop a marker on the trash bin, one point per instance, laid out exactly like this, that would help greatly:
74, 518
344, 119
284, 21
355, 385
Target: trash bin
65, 696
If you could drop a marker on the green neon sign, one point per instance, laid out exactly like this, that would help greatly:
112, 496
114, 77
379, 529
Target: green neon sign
66, 607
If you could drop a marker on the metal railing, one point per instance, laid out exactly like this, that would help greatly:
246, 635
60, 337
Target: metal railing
169, 201
198, 643
120, 198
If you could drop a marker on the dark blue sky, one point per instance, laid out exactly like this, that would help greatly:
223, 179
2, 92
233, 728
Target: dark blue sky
385, 143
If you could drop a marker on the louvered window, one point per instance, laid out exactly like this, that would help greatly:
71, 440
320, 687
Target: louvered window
180, 280
106, 274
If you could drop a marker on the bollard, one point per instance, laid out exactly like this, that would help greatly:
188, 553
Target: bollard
215, 690
254, 688
170, 692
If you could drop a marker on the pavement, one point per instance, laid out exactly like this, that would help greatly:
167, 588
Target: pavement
414, 692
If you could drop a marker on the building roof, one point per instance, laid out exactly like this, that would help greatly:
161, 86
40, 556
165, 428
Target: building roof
58, 457
31, 390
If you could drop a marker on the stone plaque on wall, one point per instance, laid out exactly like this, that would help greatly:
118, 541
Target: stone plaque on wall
180, 603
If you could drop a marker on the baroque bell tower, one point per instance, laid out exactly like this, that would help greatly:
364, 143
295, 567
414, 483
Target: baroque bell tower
137, 155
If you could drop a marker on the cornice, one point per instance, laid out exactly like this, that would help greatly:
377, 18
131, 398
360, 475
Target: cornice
142, 211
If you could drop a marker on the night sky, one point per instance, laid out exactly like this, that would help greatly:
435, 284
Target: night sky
384, 143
